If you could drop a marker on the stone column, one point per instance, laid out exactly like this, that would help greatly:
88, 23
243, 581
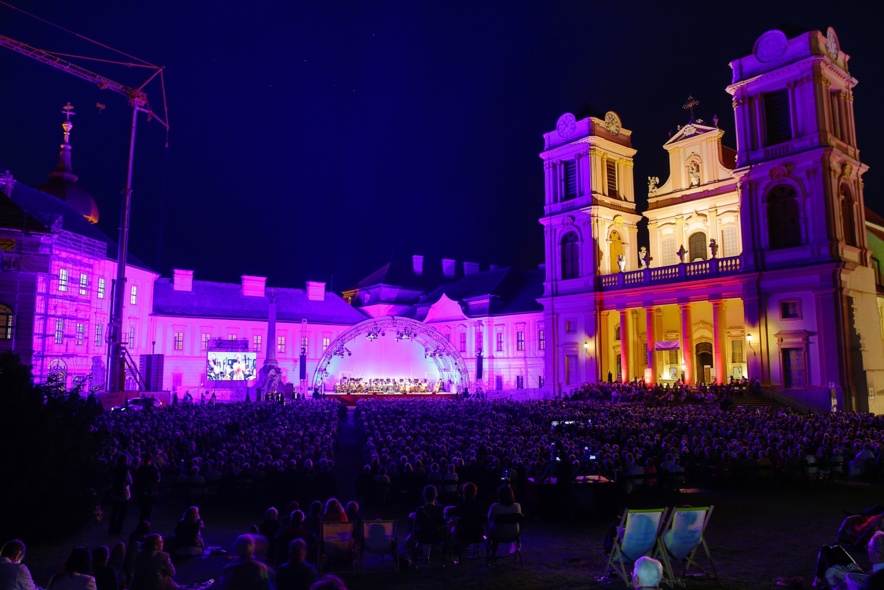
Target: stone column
624, 345
649, 333
687, 345
718, 348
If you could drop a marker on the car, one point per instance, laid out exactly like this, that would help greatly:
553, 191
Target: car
138, 404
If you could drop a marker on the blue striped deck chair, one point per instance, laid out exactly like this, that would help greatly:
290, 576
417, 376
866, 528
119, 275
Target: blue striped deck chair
682, 536
636, 537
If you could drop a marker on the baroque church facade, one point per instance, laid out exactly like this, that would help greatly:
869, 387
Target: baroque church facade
762, 262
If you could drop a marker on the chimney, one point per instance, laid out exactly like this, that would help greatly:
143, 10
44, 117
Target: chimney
417, 263
253, 286
315, 291
448, 267
182, 280
470, 268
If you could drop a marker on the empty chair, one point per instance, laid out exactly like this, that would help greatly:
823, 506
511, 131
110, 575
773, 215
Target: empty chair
336, 545
379, 538
636, 536
681, 537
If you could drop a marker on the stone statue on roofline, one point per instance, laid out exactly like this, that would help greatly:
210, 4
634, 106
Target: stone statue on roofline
681, 252
644, 258
621, 262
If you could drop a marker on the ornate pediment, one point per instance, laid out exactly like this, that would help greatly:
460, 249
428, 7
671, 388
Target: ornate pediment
445, 309
691, 130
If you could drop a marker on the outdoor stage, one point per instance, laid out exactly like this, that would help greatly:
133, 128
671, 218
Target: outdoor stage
351, 398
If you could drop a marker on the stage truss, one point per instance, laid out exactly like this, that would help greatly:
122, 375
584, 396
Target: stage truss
444, 355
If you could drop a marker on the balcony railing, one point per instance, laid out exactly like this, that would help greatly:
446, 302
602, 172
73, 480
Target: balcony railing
702, 269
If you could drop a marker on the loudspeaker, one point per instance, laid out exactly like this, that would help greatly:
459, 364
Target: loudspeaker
479, 366
151, 368
302, 366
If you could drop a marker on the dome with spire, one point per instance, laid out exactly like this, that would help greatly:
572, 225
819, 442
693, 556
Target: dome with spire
63, 182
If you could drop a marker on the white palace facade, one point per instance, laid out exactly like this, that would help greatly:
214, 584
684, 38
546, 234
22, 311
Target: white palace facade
761, 262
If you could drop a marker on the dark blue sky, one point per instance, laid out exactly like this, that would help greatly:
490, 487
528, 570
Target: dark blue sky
311, 139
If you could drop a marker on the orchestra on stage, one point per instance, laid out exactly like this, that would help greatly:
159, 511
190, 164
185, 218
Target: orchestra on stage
389, 386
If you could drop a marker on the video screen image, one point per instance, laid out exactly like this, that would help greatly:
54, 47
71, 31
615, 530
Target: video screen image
231, 366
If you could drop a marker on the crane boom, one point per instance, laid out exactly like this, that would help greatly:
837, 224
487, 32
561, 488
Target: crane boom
136, 95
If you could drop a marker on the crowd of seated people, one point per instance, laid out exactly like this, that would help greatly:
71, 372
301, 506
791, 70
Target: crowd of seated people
200, 449
413, 442
666, 393
388, 385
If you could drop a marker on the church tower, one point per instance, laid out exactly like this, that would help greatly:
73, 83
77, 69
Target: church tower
802, 215
590, 230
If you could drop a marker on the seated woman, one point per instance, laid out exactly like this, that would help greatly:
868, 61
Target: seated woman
506, 504
76, 573
334, 512
428, 524
188, 533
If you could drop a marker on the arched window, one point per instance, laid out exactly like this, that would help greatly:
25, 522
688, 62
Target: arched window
616, 250
783, 217
58, 373
570, 256
697, 246
7, 321
848, 218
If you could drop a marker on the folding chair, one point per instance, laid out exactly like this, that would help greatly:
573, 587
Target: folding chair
681, 538
502, 531
336, 545
379, 538
636, 537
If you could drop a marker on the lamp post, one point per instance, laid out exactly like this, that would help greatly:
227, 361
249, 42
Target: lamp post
749, 340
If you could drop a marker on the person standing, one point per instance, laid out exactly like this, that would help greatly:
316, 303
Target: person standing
120, 493
147, 482
14, 575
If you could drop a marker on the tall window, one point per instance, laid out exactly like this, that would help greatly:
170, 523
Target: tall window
570, 369
541, 340
256, 342
326, 341
304, 342
670, 257
102, 286
204, 340
84, 283
520, 341
478, 341
99, 334
133, 295
81, 333
569, 171
729, 244
132, 337
59, 331
570, 256
280, 344
62, 279
179, 341
498, 342
777, 117
611, 171
737, 351
463, 341
231, 336
783, 217
697, 246
7, 321
848, 219
793, 368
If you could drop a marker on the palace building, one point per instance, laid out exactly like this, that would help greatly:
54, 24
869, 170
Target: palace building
761, 262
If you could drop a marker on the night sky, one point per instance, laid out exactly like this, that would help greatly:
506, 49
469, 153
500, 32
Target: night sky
317, 140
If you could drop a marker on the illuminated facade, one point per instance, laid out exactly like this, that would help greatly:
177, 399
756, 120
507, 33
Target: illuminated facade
757, 265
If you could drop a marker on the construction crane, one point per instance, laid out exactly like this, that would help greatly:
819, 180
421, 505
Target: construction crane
118, 357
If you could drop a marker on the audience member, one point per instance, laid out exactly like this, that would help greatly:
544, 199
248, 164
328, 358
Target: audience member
153, 566
106, 576
647, 572
506, 504
76, 573
188, 533
245, 573
14, 575
120, 493
297, 573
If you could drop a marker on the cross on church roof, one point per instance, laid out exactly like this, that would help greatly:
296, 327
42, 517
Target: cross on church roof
68, 111
690, 104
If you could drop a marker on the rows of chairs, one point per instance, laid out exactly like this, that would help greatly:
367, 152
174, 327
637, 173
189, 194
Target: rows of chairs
342, 546
671, 535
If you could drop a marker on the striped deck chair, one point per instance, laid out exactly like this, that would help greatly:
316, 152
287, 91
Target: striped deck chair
680, 539
636, 537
